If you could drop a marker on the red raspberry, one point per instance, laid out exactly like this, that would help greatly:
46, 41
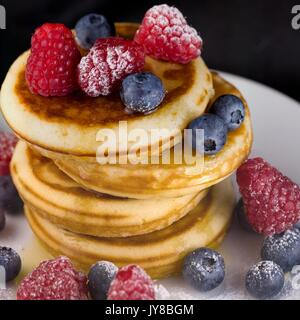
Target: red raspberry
7, 147
51, 67
165, 35
54, 280
272, 201
131, 283
109, 61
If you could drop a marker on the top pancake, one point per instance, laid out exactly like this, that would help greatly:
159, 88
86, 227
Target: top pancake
70, 124
142, 181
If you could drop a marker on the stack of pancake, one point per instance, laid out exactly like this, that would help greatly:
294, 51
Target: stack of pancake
147, 214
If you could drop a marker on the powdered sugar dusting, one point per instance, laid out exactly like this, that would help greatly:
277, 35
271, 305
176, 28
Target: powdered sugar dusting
108, 62
165, 35
283, 248
7, 294
264, 270
54, 280
161, 293
284, 241
107, 267
265, 280
131, 283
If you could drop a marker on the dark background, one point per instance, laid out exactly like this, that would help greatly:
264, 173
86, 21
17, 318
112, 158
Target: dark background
250, 38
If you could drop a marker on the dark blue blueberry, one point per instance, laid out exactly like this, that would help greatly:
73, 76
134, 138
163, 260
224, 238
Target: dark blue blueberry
2, 219
241, 216
204, 269
283, 249
215, 134
100, 277
142, 92
231, 109
11, 261
92, 27
10, 200
265, 280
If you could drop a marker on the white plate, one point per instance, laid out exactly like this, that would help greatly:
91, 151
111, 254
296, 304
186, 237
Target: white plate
276, 127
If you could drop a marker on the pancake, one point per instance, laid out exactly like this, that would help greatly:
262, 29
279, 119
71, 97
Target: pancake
160, 253
62, 201
70, 124
152, 181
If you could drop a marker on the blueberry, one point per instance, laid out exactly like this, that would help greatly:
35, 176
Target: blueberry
265, 280
204, 269
283, 249
92, 27
100, 277
231, 109
142, 92
215, 133
2, 219
10, 200
240, 213
11, 261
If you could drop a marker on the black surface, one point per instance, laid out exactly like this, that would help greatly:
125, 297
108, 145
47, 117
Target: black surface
254, 38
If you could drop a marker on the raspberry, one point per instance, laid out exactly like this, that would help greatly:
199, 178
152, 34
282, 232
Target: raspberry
165, 35
51, 67
7, 146
272, 201
131, 283
109, 61
54, 280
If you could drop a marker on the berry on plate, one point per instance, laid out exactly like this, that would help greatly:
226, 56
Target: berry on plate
142, 92
240, 213
265, 280
11, 262
131, 283
92, 27
109, 61
7, 146
215, 133
231, 109
10, 201
204, 269
283, 249
100, 277
54, 280
51, 66
165, 35
272, 201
